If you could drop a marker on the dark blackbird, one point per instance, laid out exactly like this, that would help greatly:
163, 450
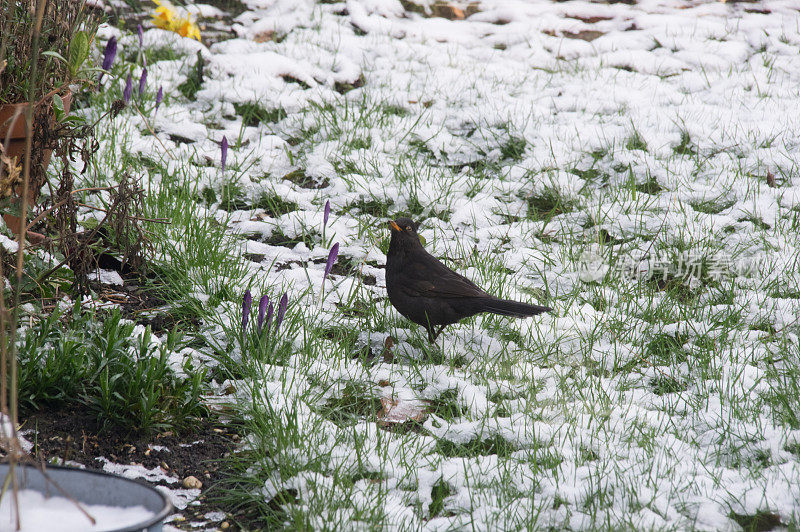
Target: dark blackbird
429, 293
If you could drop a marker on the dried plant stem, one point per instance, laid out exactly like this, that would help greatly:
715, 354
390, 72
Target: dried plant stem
3, 342
60, 203
164, 221
10, 344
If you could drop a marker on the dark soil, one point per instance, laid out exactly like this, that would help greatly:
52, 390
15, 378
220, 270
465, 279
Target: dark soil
70, 434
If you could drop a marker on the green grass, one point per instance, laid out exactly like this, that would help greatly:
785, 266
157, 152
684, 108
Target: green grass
634, 376
496, 445
253, 114
548, 203
194, 78
712, 206
352, 402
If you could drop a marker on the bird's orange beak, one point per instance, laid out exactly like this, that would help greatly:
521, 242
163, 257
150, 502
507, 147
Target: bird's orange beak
394, 226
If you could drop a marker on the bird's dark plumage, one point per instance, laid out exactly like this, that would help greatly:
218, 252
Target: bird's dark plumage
429, 293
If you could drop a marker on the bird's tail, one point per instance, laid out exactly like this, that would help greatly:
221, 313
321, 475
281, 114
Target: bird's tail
506, 307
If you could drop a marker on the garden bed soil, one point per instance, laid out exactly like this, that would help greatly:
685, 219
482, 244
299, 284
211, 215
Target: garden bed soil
74, 436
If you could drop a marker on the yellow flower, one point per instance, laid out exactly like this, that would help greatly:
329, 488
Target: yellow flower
167, 17
189, 29
164, 15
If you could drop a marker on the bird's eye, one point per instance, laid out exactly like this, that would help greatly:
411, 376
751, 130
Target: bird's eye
408, 228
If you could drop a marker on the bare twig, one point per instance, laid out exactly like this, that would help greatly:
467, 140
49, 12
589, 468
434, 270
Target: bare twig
138, 218
60, 203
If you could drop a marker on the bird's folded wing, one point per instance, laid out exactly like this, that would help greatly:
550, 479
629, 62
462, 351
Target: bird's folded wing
434, 279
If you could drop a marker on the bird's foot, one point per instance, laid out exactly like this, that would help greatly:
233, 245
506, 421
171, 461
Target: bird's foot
433, 335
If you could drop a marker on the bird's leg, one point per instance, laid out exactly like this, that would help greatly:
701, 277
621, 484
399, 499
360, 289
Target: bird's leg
432, 336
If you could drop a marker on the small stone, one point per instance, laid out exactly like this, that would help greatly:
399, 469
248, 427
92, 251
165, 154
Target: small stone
191, 482
254, 257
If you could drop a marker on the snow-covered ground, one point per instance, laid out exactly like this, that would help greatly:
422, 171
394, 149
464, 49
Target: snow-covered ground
587, 156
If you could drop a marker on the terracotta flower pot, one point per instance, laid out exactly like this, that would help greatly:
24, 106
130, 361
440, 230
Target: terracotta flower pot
12, 137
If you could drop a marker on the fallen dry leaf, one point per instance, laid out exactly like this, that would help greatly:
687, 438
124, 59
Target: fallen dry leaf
396, 411
584, 35
451, 10
771, 179
589, 19
387, 354
9, 175
448, 11
264, 36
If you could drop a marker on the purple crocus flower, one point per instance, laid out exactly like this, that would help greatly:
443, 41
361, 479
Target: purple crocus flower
327, 213
109, 53
247, 301
159, 96
224, 147
140, 31
262, 308
126, 94
331, 259
142, 81
281, 311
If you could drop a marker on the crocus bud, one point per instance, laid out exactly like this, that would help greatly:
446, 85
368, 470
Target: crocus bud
140, 31
142, 81
247, 301
268, 319
109, 53
224, 148
334, 252
281, 311
159, 96
108, 56
327, 213
262, 308
126, 94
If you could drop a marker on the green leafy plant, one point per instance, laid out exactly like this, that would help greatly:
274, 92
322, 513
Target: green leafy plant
126, 380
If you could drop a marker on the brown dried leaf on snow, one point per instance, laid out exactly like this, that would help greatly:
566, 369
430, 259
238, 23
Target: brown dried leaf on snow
771, 179
396, 411
264, 36
451, 10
